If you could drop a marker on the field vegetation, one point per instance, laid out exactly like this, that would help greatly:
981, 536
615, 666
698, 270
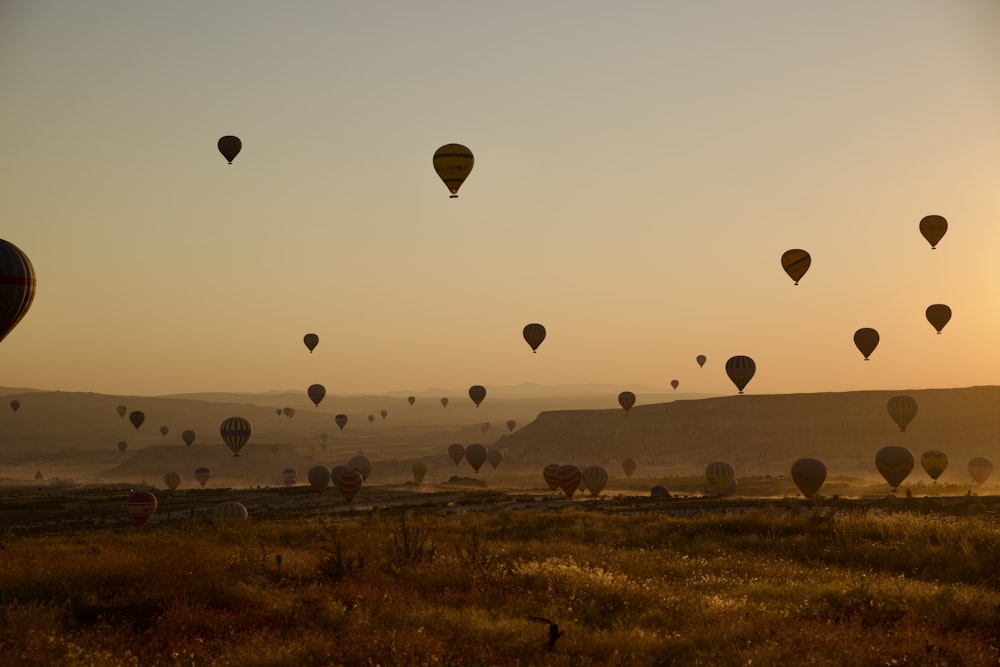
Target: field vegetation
780, 585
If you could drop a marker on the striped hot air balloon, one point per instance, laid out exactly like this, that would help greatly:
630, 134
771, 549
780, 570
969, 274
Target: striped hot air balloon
17, 286
934, 463
902, 409
172, 480
348, 482
453, 164
229, 511
569, 477
141, 505
235, 432
894, 464
719, 475
740, 370
550, 474
795, 262
595, 478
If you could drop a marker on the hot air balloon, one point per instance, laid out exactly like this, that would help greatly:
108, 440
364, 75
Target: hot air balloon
361, 463
348, 482
141, 505
933, 227
278, 410
288, 412
17, 286
456, 453
476, 455
15, 405
202, 475
675, 384
444, 402
172, 480
701, 359
228, 511
720, 476
137, 418
534, 334
319, 477
235, 432
164, 430
511, 424
938, 315
384, 413
551, 475
122, 446
288, 476
477, 393
795, 263
626, 399
740, 370
595, 478
419, 470
411, 399
188, 437
38, 476
311, 340
569, 477
453, 163
980, 469
484, 427
866, 340
895, 464
659, 492
340, 421
809, 475
121, 410
316, 392
902, 409
495, 457
230, 147
629, 466
934, 463
371, 418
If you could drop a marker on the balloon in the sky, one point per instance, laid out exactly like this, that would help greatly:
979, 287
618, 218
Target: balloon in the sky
316, 392
934, 463
495, 457
15, 405
895, 464
122, 446
551, 475
319, 477
626, 399
980, 469
230, 510
795, 262
902, 409
172, 480
164, 430
137, 418
629, 466
938, 315
444, 402
288, 412
511, 425
361, 463
456, 453
230, 147
288, 476
570, 477
235, 432
484, 427
188, 437
675, 383
534, 334
453, 163
348, 482
121, 410
202, 475
595, 478
866, 340
701, 359
371, 418
278, 410
340, 421
311, 340
933, 227
740, 370
17, 286
384, 413
719, 475
477, 393
809, 475
141, 505
419, 470
476, 455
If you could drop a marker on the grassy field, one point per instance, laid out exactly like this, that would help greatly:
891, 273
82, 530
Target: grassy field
780, 585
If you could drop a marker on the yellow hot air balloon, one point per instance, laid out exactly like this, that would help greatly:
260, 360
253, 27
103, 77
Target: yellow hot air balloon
902, 409
740, 370
534, 334
980, 468
626, 399
895, 464
235, 432
595, 478
933, 228
866, 340
795, 262
938, 315
809, 475
453, 164
934, 463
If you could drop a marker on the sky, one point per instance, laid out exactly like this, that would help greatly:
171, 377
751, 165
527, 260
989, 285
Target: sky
640, 169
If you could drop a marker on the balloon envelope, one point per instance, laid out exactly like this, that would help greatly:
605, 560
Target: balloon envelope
230, 510
140, 505
137, 418
659, 492
595, 478
360, 463
15, 405
288, 476
934, 463
164, 430
477, 393
230, 147
311, 340
980, 469
172, 480
444, 402
495, 457
701, 359
348, 482
626, 399
121, 410
316, 392
933, 228
188, 437
476, 455
419, 470
371, 418
202, 475
866, 340
122, 446
319, 477
894, 464
938, 315
411, 399
511, 425
340, 421
809, 475
551, 475
719, 475
384, 413
456, 453
629, 466
533, 334
795, 262
740, 370
902, 409
17, 286
235, 432
675, 383
453, 164
569, 479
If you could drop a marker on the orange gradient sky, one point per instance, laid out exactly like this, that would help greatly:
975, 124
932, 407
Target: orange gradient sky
640, 168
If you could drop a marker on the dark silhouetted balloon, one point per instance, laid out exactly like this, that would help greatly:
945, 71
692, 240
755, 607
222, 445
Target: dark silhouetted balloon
980, 468
495, 457
866, 340
701, 359
570, 477
371, 418
384, 413
188, 437
453, 164
934, 463
444, 402
17, 286
137, 418
740, 370
719, 475
902, 409
140, 505
795, 262
15, 405
316, 392
235, 432
809, 475
595, 478
511, 425
933, 228
122, 446
551, 475
419, 471
411, 399
230, 510
895, 464
659, 492
476, 455
348, 482
319, 477
164, 430
340, 421
361, 463
230, 147
202, 475
626, 399
456, 453
288, 412
311, 340
477, 393
629, 466
938, 315
121, 410
172, 480
675, 383
534, 334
